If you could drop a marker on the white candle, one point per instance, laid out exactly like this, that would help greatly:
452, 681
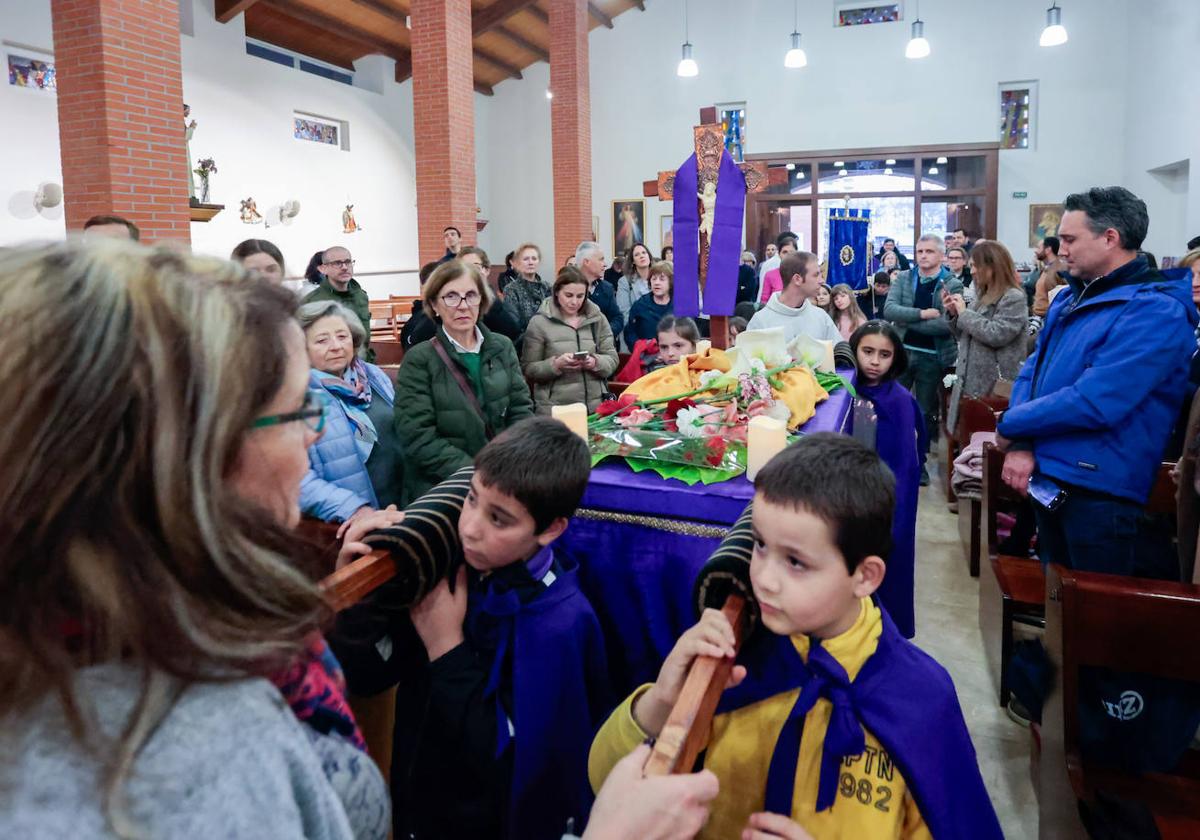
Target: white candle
702, 346
574, 415
766, 437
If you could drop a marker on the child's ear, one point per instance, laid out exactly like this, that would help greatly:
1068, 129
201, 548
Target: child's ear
553, 531
869, 575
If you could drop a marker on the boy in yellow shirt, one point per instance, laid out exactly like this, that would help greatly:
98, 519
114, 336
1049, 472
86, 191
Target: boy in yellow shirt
833, 725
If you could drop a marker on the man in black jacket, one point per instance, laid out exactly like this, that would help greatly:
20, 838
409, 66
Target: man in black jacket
589, 257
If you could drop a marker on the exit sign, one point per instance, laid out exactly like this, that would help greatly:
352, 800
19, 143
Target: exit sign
1020, 195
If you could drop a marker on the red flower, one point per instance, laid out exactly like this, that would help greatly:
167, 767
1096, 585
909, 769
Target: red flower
716, 451
673, 408
623, 405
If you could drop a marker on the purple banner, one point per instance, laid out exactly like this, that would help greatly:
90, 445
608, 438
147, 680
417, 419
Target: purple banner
725, 246
686, 232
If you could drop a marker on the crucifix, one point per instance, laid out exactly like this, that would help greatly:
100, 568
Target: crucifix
717, 201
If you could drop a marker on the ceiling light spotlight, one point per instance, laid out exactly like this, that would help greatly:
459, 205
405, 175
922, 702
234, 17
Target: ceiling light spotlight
1054, 33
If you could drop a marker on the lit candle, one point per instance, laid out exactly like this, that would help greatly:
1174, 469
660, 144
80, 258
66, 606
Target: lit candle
574, 415
702, 346
766, 437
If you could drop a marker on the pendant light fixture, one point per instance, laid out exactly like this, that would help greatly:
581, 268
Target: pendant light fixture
795, 56
687, 65
1054, 33
917, 47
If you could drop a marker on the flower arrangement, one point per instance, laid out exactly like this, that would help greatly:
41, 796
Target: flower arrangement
699, 434
205, 167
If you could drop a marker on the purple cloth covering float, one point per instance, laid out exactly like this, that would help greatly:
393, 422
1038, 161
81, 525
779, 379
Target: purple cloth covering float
724, 251
900, 440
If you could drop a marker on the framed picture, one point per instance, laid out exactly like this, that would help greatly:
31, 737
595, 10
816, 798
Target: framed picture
666, 236
1043, 221
629, 224
595, 228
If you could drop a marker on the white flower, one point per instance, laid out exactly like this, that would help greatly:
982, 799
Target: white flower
949, 380
708, 376
689, 421
757, 365
779, 411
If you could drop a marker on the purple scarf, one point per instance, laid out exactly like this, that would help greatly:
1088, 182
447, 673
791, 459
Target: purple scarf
724, 248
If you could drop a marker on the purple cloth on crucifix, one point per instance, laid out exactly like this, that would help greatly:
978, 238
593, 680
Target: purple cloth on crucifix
725, 244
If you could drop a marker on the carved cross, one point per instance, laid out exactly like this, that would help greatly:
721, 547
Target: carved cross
709, 142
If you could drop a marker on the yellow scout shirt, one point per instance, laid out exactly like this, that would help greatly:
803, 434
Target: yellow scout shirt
873, 801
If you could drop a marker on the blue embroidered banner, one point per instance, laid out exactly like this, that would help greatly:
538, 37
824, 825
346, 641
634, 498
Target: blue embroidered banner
849, 257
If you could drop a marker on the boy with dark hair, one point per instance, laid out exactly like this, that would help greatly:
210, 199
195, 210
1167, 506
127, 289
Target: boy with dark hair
833, 724
500, 669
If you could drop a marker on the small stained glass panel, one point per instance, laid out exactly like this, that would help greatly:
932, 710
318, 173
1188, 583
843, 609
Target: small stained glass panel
862, 14
31, 73
1016, 114
733, 126
318, 131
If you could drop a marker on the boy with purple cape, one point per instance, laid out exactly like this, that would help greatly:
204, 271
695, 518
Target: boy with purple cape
497, 655
832, 725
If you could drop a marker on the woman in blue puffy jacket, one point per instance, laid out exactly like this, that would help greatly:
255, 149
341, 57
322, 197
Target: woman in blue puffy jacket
357, 464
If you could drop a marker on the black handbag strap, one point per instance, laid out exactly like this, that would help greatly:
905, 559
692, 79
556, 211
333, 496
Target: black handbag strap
465, 386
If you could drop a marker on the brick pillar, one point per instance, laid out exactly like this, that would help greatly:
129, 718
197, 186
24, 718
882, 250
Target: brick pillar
444, 122
120, 113
570, 126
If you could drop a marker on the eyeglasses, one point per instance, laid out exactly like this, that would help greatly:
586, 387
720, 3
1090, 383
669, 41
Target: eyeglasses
313, 414
341, 263
453, 299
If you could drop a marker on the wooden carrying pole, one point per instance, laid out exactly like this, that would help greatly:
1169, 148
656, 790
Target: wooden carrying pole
685, 734
355, 581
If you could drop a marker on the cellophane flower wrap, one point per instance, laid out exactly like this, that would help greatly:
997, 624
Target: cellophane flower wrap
689, 420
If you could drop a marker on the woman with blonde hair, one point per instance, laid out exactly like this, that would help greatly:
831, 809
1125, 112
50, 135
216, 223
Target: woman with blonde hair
524, 295
154, 606
846, 313
991, 331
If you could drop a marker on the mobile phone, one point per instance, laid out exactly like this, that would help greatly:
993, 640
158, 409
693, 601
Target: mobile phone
1046, 493
580, 355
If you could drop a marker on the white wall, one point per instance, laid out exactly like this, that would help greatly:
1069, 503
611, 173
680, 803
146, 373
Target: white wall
1162, 160
857, 92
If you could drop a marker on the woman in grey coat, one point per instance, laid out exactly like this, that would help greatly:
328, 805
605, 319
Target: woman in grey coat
990, 331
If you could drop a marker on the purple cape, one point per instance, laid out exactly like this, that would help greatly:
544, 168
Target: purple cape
560, 696
907, 701
899, 440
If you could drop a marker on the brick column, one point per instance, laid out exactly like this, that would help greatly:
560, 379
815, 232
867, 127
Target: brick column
120, 113
570, 126
443, 122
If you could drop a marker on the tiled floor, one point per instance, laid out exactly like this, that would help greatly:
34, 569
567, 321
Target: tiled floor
948, 629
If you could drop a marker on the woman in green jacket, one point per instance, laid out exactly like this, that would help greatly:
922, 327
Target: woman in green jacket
568, 351
460, 388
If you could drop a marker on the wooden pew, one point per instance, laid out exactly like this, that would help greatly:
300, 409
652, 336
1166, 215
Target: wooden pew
974, 415
1011, 589
1127, 624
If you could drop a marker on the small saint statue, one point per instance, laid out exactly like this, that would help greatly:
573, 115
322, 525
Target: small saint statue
189, 128
348, 223
708, 199
250, 214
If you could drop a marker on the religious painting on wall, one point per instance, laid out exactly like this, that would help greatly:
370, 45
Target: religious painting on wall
666, 233
1043, 221
31, 73
629, 223
861, 14
315, 130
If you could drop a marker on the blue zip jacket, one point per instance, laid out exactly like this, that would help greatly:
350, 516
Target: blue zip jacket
1098, 398
337, 483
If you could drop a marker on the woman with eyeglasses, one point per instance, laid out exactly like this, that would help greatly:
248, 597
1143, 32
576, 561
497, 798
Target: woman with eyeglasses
460, 388
163, 666
357, 465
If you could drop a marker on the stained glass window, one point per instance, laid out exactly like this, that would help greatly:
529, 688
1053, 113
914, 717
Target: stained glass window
1016, 118
733, 123
854, 14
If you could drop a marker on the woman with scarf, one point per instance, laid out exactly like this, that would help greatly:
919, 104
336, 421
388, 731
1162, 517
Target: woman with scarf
357, 465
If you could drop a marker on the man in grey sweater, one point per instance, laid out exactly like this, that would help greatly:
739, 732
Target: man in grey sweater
792, 307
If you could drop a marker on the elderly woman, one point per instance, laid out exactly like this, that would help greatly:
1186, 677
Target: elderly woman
458, 389
990, 331
569, 350
523, 296
161, 627
357, 465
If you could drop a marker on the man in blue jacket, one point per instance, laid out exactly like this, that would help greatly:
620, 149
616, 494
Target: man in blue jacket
1093, 407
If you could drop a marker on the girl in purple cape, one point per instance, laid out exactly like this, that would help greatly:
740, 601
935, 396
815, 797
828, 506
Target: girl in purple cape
899, 440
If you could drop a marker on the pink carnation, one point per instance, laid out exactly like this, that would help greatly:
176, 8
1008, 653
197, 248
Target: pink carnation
635, 417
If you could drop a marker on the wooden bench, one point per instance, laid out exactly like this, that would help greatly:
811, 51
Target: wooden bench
974, 415
1011, 589
1130, 625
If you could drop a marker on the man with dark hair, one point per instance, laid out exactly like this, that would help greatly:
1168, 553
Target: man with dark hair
452, 236
1193, 243
112, 227
1049, 278
961, 239
784, 243
1092, 409
874, 299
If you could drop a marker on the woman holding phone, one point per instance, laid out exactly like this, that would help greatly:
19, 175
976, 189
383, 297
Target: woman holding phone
568, 350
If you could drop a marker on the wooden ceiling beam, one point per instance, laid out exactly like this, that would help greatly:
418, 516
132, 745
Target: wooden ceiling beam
539, 13
227, 10
641, 7
499, 63
522, 42
595, 12
486, 90
383, 9
337, 27
492, 16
